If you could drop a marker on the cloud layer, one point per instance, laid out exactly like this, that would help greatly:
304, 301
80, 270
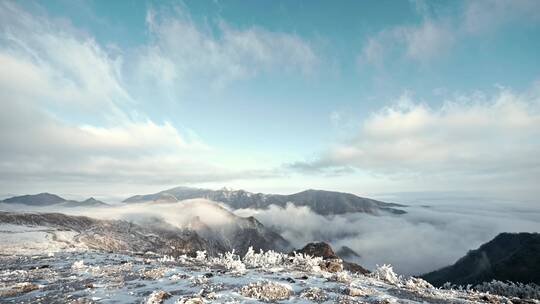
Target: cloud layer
423, 240
472, 138
438, 31
69, 109
183, 53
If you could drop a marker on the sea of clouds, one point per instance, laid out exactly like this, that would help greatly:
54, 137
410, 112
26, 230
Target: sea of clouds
434, 233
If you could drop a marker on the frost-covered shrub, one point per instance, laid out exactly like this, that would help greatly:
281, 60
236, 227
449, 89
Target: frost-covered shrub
266, 260
510, 289
271, 259
201, 256
386, 273
230, 261
266, 291
417, 284
166, 259
183, 258
233, 262
306, 262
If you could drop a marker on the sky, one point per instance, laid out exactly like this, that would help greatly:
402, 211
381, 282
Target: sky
114, 98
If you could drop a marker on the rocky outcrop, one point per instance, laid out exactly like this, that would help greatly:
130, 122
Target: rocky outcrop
331, 261
266, 291
158, 297
318, 249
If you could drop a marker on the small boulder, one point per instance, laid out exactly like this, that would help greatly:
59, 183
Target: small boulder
157, 297
314, 294
18, 289
333, 265
266, 291
355, 292
195, 300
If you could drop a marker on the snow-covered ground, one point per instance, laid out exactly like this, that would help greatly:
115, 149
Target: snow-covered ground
101, 277
17, 239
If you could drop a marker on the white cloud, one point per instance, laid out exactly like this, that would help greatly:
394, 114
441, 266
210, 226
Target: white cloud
473, 138
63, 67
437, 33
64, 117
486, 15
373, 51
420, 42
427, 40
420, 241
184, 52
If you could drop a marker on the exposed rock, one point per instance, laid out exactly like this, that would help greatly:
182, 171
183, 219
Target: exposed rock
355, 292
154, 273
157, 297
290, 280
314, 294
266, 291
342, 277
333, 265
18, 288
324, 250
26, 287
319, 249
347, 300
195, 300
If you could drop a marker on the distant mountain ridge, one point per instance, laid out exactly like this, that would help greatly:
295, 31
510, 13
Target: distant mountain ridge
508, 257
320, 201
48, 199
157, 235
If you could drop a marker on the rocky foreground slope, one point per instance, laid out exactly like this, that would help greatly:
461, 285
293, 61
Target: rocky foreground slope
100, 277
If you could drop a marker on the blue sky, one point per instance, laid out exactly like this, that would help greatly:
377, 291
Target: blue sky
362, 96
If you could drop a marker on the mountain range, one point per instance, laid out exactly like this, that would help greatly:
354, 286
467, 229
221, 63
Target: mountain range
321, 202
152, 233
48, 199
508, 257
199, 223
